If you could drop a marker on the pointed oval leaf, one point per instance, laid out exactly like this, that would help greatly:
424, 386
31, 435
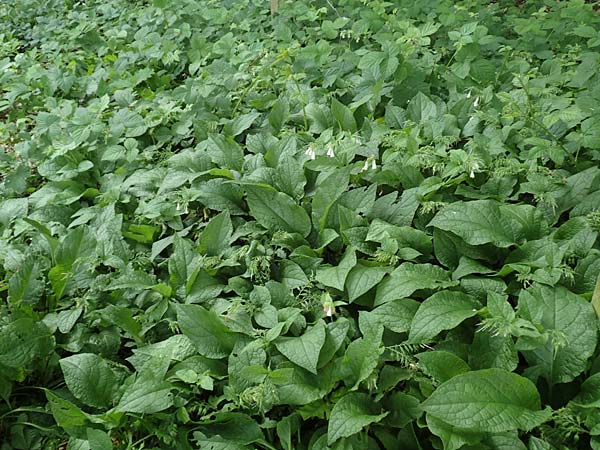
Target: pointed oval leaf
489, 400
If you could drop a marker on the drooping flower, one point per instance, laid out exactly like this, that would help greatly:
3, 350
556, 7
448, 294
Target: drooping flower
330, 151
310, 152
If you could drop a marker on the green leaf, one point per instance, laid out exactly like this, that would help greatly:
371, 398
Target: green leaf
147, 393
206, 330
571, 325
452, 437
408, 278
362, 278
477, 222
215, 238
182, 262
442, 365
343, 116
241, 123
489, 350
277, 211
442, 311
279, 113
26, 284
22, 341
128, 123
335, 277
361, 358
225, 152
90, 379
589, 393
12, 209
596, 297
228, 431
396, 315
290, 176
304, 350
351, 414
66, 414
99, 440
421, 108
328, 192
490, 401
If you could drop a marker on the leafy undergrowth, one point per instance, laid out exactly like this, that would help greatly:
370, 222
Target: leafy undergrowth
354, 225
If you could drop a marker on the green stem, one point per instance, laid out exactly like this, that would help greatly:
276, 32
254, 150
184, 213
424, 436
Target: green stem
303, 104
239, 102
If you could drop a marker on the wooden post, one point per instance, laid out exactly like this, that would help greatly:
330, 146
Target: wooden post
274, 7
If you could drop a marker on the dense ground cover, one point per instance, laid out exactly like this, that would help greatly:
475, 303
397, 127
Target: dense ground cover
354, 225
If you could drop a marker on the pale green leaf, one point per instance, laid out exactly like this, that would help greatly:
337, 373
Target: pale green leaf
277, 211
350, 414
90, 379
490, 400
442, 311
477, 222
408, 278
206, 330
304, 350
572, 326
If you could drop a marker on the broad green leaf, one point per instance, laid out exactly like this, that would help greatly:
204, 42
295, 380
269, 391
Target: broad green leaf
351, 414
336, 276
22, 341
408, 278
277, 211
336, 334
241, 123
99, 439
571, 326
596, 297
279, 113
206, 330
477, 222
219, 195
182, 262
504, 441
12, 209
361, 358
123, 318
442, 311
292, 274
225, 152
396, 315
148, 393
442, 365
228, 431
66, 414
490, 401
128, 123
215, 238
90, 379
290, 176
26, 284
299, 387
328, 191
452, 437
493, 351
362, 278
343, 116
304, 350
421, 108
403, 408
589, 393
